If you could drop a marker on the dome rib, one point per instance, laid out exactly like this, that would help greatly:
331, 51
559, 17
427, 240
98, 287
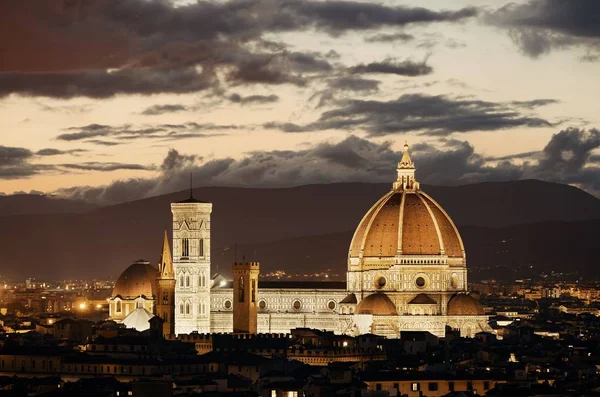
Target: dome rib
454, 246
365, 225
435, 224
418, 235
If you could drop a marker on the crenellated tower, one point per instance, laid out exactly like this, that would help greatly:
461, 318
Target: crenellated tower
191, 259
165, 290
245, 297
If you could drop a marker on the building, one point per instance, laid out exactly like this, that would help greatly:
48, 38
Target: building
406, 272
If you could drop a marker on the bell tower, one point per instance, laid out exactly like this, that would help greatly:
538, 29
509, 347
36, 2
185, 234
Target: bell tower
191, 260
165, 290
245, 297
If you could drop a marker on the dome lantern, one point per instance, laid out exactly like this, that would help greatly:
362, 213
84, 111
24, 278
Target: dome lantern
406, 173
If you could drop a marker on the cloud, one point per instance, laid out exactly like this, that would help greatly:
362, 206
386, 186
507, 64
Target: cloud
341, 85
253, 99
129, 133
106, 166
105, 83
56, 152
13, 155
430, 115
354, 159
337, 17
538, 27
161, 109
15, 163
390, 37
391, 66
100, 49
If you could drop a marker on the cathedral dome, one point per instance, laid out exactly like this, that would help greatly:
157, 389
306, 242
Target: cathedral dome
464, 305
404, 226
377, 304
138, 279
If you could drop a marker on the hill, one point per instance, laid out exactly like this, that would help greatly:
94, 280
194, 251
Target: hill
34, 204
284, 226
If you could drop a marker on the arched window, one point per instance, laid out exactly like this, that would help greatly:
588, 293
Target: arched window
181, 280
187, 280
253, 290
118, 308
241, 288
187, 308
201, 247
181, 308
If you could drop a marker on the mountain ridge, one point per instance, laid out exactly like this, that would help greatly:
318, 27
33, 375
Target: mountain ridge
105, 240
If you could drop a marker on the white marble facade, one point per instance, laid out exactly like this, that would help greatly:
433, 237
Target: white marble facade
191, 261
406, 262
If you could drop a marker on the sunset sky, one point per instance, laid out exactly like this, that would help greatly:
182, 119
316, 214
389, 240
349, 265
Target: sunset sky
110, 100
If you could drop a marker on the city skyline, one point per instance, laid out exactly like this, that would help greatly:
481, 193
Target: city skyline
111, 102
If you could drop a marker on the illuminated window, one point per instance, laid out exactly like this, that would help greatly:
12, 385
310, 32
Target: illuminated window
118, 309
414, 386
253, 290
241, 290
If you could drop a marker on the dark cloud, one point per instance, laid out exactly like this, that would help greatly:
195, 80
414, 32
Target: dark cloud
105, 166
342, 85
130, 133
390, 37
15, 163
391, 66
99, 49
337, 17
449, 162
105, 83
56, 152
253, 99
103, 143
354, 84
430, 115
161, 109
13, 155
540, 26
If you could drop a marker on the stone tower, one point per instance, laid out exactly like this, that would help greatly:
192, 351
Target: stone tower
245, 297
165, 290
191, 258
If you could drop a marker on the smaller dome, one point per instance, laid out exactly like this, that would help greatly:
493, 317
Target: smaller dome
464, 305
138, 279
138, 319
422, 299
377, 304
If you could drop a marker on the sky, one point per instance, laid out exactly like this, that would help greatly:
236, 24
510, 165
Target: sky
110, 101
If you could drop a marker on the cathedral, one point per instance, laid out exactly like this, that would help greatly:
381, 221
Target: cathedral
406, 272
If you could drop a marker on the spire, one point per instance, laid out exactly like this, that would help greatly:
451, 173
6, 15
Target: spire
165, 266
406, 161
406, 172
